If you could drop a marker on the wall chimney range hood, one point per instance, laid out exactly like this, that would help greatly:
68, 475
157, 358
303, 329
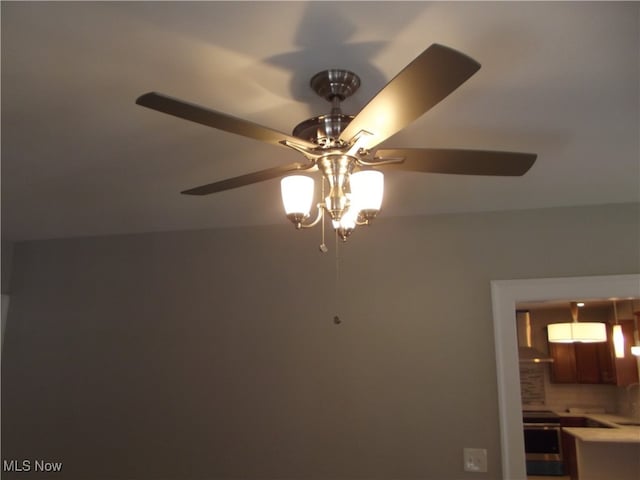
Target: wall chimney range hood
526, 351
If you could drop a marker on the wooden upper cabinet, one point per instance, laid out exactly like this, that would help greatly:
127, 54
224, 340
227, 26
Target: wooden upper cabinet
606, 364
588, 362
563, 369
595, 362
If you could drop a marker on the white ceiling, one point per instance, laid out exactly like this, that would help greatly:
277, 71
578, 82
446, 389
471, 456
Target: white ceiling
80, 158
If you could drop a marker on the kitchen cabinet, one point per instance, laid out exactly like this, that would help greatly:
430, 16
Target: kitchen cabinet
594, 362
580, 363
563, 368
569, 445
569, 456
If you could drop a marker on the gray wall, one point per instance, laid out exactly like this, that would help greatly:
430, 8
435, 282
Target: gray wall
5, 265
5, 269
213, 354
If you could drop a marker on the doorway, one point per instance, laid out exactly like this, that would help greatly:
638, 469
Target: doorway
505, 294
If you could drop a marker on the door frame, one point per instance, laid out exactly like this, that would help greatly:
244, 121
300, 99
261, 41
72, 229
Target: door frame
504, 296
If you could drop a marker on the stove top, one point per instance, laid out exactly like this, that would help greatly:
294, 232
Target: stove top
540, 416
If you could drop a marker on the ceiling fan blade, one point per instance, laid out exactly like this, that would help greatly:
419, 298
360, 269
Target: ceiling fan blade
455, 161
433, 75
248, 179
221, 121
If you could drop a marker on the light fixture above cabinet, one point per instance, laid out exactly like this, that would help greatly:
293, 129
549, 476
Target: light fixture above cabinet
635, 348
618, 336
576, 332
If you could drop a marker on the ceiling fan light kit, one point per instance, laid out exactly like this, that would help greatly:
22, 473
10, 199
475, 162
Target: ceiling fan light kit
347, 209
344, 147
297, 197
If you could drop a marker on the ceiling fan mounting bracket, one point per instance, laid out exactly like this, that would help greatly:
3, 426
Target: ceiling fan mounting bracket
335, 84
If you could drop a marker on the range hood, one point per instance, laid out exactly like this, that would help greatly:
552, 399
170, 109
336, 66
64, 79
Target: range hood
526, 351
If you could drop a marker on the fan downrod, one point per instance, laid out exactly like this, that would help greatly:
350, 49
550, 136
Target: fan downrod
333, 85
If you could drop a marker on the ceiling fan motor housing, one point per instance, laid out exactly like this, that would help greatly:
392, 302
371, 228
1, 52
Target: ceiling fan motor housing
333, 85
322, 129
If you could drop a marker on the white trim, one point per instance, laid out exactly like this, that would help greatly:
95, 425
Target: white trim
504, 296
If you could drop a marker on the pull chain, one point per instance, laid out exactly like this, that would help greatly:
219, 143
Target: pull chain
336, 318
323, 247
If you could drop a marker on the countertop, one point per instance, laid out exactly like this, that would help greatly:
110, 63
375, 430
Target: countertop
619, 433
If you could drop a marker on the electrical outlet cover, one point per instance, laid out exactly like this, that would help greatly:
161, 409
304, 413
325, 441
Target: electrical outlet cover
475, 459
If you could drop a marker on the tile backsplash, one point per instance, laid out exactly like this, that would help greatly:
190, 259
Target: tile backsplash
537, 390
562, 396
532, 384
629, 401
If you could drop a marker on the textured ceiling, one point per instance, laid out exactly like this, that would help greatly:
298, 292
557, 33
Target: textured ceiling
80, 158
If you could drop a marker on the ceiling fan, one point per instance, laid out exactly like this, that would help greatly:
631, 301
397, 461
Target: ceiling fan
343, 147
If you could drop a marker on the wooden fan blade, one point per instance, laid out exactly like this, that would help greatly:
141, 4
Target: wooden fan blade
455, 161
221, 121
433, 75
248, 179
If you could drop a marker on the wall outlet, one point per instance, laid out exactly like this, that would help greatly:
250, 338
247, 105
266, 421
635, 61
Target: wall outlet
475, 459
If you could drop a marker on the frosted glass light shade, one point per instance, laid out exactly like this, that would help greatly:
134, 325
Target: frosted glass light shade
297, 194
349, 218
635, 350
367, 188
618, 341
585, 332
347, 223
